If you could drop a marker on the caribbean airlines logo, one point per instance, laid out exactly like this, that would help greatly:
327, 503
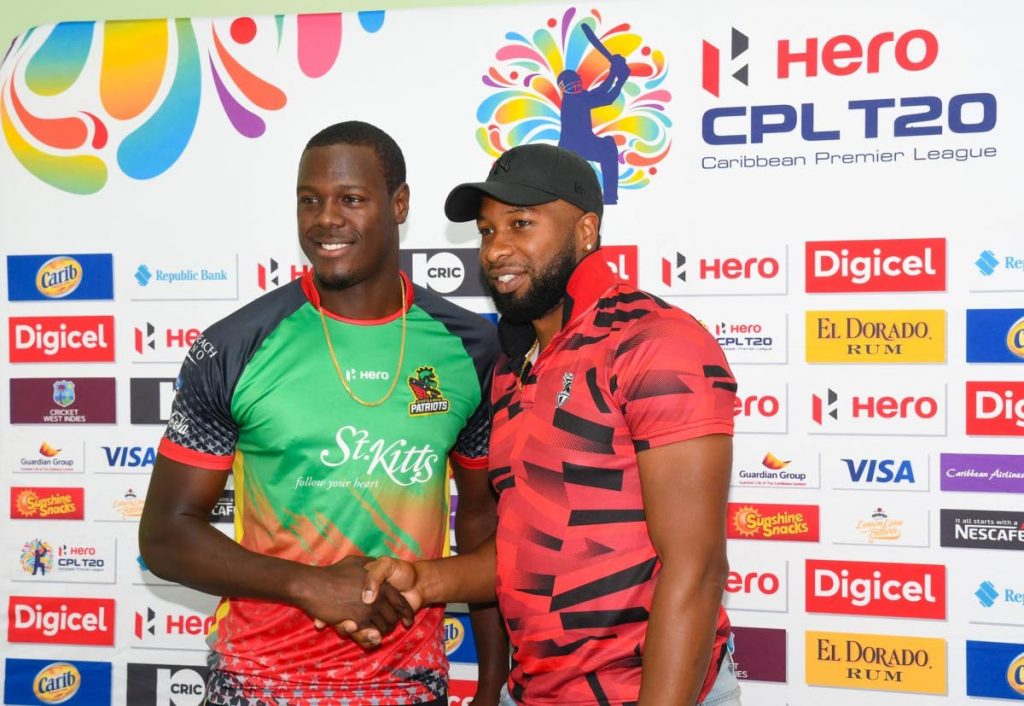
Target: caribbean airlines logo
995, 335
61, 620
880, 408
782, 523
995, 670
876, 588
593, 85
985, 473
891, 265
72, 154
61, 339
876, 662
995, 408
907, 336
60, 277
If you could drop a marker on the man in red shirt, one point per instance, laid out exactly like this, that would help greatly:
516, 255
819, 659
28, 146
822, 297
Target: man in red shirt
610, 453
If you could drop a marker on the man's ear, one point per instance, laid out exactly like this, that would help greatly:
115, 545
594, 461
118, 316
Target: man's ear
400, 203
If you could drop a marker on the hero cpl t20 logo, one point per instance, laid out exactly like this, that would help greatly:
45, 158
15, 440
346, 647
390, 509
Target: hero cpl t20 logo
589, 89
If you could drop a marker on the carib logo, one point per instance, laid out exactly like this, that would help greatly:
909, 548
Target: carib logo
454, 634
138, 126
56, 683
1015, 674
594, 90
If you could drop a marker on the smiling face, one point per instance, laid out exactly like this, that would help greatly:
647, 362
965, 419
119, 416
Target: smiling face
348, 221
528, 254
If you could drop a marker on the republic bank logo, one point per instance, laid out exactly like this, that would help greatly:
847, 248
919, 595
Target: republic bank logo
827, 407
711, 62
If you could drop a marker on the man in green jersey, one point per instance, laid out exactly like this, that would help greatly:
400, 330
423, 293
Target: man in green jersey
339, 402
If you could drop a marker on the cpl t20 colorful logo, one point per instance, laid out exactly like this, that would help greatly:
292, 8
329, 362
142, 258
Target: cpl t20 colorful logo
92, 93
592, 90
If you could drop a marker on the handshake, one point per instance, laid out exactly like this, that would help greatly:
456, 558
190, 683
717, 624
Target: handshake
390, 591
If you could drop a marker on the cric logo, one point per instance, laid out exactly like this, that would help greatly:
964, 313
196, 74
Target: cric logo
711, 63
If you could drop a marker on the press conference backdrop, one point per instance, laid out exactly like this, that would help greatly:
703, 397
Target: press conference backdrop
833, 194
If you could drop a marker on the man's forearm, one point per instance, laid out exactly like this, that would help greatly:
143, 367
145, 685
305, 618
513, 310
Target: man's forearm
466, 578
680, 638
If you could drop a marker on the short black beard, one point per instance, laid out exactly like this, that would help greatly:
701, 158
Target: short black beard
335, 284
547, 290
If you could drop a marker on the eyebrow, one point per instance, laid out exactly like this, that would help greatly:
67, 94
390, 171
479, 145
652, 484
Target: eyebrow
513, 209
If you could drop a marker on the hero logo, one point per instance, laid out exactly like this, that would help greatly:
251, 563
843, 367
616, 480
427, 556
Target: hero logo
727, 268
995, 408
742, 335
844, 54
64, 339
759, 587
172, 624
269, 276
146, 337
875, 588
64, 621
763, 412
879, 411
442, 272
896, 265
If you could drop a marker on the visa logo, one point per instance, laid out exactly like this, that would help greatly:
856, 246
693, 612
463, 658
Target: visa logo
130, 456
880, 471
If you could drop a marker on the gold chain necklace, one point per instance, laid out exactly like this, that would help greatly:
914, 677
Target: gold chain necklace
526, 361
337, 368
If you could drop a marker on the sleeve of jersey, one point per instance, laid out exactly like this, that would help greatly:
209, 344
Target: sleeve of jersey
470, 450
201, 431
672, 382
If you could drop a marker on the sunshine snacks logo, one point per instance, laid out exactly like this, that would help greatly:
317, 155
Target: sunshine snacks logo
786, 523
47, 503
594, 87
148, 129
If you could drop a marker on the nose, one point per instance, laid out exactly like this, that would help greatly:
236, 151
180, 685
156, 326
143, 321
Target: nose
331, 214
496, 247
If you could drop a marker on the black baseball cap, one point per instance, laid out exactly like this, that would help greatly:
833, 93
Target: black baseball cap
529, 175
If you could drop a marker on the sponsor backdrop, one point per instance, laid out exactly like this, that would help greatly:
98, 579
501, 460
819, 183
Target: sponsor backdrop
832, 194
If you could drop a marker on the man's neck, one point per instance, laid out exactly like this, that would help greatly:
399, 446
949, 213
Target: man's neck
372, 299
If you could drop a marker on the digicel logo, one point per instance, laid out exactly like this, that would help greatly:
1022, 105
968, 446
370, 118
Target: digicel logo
898, 265
63, 339
461, 692
61, 621
621, 260
875, 588
995, 408
785, 523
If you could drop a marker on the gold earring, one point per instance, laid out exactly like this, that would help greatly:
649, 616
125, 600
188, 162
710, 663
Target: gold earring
588, 246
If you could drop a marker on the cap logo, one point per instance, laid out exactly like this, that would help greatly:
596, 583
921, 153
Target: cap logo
504, 162
578, 188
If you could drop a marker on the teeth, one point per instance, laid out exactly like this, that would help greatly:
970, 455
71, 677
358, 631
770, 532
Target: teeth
333, 246
506, 278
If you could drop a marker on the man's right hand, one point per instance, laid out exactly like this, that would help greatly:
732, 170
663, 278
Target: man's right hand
333, 595
382, 576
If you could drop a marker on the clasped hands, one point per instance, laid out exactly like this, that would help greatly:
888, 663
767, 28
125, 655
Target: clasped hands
364, 599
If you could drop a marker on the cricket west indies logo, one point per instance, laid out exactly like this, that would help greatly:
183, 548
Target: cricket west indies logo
760, 654
61, 621
876, 588
61, 339
995, 335
995, 408
591, 86
986, 473
426, 390
995, 670
892, 265
65, 277
74, 683
906, 336
981, 529
63, 401
782, 523
47, 503
876, 662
